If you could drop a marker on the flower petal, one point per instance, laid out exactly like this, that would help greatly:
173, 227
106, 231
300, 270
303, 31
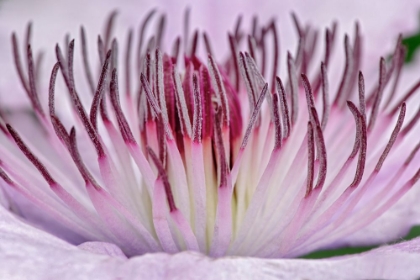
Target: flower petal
103, 248
26, 252
29, 253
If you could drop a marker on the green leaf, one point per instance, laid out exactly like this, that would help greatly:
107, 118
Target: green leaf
412, 43
414, 232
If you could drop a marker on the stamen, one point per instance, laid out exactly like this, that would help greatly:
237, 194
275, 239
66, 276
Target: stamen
160, 31
169, 89
175, 50
81, 112
321, 149
220, 88
276, 46
362, 104
407, 96
164, 177
325, 97
18, 63
150, 97
394, 135
254, 27
291, 69
101, 49
182, 105
412, 123
379, 94
345, 79
252, 46
198, 114
357, 58
109, 26
207, 44
258, 77
297, 25
412, 154
57, 125
309, 50
328, 46
276, 118
6, 178
33, 96
223, 224
127, 62
142, 31
206, 92
187, 87
87, 177
3, 127
63, 65
252, 121
194, 44
299, 56
309, 96
247, 79
38, 62
284, 108
398, 58
220, 149
32, 158
311, 160
254, 116
159, 86
151, 45
160, 222
122, 121
66, 43
263, 51
238, 34
28, 34
361, 140
114, 54
70, 57
234, 54
86, 64
99, 92
353, 109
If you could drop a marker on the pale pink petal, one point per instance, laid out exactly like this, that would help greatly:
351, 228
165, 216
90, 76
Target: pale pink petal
27, 253
103, 248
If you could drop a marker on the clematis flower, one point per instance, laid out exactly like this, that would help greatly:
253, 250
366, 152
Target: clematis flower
207, 163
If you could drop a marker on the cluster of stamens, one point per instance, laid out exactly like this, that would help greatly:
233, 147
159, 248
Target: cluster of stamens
186, 163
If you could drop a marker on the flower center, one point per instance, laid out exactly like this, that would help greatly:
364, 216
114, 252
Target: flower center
223, 158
